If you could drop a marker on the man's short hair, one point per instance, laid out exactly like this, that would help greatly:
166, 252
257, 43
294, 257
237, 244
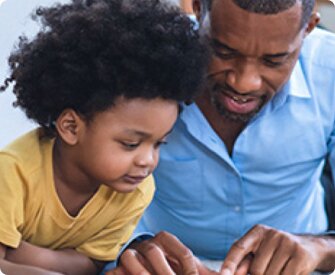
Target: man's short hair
271, 6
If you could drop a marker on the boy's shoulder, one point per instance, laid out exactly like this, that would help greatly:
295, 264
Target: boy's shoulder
25, 151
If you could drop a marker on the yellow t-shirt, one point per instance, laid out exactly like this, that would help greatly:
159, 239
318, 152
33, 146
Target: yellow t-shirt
30, 209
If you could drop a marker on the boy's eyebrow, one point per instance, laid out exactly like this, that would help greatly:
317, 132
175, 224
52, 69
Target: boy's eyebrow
144, 134
218, 44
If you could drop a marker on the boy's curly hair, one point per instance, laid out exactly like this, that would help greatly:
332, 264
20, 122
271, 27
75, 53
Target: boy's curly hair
91, 51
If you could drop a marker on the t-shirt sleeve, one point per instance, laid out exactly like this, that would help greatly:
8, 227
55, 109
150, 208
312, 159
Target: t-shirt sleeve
106, 245
11, 201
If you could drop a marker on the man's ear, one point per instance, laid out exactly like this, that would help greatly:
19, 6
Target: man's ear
68, 125
312, 23
197, 9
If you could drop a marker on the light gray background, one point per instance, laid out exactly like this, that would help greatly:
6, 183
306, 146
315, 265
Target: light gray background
14, 21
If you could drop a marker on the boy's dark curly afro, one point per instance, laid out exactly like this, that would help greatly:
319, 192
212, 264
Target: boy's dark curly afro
90, 52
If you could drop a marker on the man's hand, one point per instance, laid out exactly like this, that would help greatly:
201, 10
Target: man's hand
264, 250
162, 255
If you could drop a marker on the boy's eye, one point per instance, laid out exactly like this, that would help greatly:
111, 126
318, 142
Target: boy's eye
130, 145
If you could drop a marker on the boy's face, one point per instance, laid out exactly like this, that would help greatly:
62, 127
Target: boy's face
120, 146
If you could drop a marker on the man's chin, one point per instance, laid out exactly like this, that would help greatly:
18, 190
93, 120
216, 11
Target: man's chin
235, 117
238, 117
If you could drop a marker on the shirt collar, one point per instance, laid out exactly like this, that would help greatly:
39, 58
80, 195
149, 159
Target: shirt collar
297, 85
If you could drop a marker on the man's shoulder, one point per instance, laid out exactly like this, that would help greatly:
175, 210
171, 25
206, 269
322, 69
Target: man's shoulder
319, 49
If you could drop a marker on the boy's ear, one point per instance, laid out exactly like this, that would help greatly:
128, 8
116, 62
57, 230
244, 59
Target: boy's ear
68, 125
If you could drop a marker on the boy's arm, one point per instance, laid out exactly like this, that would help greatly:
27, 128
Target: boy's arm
67, 261
10, 268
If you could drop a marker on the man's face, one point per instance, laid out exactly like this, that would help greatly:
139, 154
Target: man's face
253, 56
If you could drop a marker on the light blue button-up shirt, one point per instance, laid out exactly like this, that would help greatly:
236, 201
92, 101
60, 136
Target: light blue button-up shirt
209, 199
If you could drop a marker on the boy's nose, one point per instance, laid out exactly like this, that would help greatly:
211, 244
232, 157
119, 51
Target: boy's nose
146, 158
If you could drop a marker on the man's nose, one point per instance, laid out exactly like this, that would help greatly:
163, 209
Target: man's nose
245, 77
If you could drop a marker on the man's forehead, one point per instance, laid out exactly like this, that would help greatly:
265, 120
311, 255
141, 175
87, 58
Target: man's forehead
224, 12
266, 6
279, 8
250, 32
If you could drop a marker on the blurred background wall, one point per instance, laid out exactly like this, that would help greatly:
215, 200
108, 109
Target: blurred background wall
327, 12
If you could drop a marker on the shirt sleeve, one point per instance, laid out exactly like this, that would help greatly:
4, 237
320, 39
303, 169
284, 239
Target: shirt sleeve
106, 245
11, 201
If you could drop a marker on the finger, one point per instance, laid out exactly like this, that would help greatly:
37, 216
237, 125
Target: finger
263, 256
176, 251
292, 266
203, 270
279, 259
153, 254
244, 267
295, 266
116, 271
240, 249
131, 263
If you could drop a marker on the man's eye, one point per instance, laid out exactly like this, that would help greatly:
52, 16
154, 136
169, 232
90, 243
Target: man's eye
271, 63
224, 55
129, 145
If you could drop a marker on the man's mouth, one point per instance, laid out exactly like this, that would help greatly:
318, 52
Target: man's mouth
238, 104
239, 99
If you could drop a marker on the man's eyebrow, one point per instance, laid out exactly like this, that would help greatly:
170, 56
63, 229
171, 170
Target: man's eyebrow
276, 55
218, 44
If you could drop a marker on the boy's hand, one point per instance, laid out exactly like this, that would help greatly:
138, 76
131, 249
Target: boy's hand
162, 255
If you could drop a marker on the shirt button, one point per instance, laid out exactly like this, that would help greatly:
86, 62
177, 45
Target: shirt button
213, 140
237, 208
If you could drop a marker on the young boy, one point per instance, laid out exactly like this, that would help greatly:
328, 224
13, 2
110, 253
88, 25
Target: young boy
103, 78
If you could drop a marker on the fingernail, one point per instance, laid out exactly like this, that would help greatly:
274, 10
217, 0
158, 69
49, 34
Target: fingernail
225, 272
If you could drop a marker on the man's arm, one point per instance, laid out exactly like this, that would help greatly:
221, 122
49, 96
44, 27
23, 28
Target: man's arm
67, 261
276, 252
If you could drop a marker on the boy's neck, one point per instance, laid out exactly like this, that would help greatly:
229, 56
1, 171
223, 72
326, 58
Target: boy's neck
73, 190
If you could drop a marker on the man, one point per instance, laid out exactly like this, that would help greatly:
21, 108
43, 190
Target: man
244, 161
